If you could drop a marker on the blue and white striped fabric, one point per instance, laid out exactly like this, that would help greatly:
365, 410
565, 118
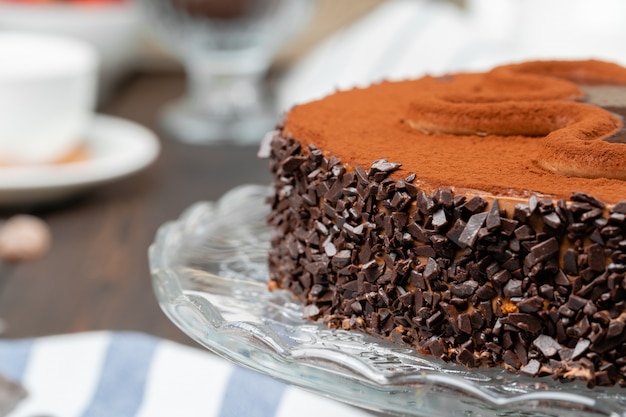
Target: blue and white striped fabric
126, 374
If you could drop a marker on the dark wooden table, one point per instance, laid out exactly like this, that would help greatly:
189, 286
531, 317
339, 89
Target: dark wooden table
96, 275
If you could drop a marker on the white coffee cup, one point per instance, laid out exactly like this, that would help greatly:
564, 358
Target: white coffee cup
48, 86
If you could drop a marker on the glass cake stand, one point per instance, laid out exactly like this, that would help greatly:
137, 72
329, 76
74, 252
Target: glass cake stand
209, 275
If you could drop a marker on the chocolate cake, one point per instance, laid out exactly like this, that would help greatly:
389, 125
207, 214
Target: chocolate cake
477, 217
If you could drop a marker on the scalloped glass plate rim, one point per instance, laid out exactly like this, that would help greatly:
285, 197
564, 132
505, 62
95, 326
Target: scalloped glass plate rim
331, 368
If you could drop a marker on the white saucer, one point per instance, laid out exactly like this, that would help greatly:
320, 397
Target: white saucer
116, 148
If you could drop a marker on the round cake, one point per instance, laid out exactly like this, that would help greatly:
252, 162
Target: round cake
477, 217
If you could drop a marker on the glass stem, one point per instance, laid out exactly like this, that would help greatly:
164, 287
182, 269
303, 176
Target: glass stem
221, 93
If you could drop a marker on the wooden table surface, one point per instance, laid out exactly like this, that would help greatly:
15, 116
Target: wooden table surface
96, 274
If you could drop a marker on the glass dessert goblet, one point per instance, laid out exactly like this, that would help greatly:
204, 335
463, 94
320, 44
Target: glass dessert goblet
226, 48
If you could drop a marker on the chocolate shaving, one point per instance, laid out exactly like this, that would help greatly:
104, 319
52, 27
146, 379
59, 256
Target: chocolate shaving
547, 345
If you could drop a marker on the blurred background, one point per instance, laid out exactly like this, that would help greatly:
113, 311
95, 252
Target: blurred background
400, 38
318, 46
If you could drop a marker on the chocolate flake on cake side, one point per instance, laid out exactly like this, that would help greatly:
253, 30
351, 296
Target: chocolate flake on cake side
539, 291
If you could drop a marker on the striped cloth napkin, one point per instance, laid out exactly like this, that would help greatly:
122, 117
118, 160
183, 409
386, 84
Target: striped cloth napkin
127, 374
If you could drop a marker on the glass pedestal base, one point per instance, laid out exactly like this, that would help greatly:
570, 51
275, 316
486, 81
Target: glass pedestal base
181, 121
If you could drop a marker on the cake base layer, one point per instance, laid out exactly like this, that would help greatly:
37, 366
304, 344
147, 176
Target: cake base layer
537, 287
